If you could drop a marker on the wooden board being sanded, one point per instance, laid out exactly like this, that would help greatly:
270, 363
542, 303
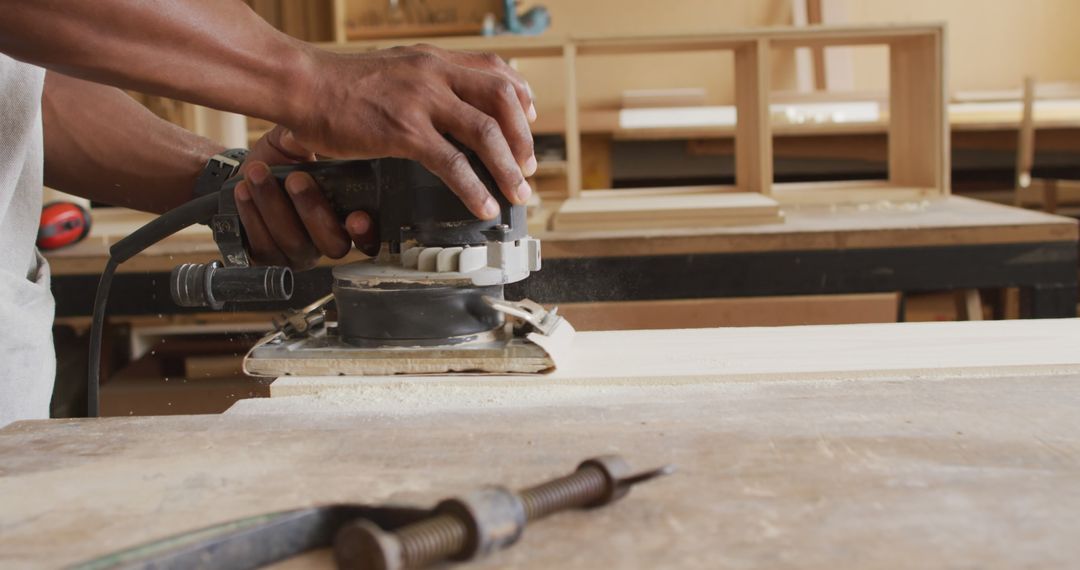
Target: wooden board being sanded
942, 350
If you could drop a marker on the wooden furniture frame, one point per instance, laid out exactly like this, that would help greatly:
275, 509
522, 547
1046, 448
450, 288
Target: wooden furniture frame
918, 135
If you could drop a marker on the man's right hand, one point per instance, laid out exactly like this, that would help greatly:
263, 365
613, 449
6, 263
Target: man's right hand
402, 101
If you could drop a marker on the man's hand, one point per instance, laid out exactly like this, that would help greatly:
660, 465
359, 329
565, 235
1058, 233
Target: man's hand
294, 225
402, 101
399, 102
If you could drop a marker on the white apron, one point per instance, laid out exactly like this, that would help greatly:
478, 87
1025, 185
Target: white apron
27, 359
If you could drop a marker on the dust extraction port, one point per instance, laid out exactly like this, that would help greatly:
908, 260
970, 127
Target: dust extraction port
212, 285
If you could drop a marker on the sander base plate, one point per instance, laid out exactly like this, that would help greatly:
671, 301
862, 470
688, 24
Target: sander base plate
329, 355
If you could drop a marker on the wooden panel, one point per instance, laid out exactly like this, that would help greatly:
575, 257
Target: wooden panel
739, 312
666, 211
753, 139
852, 192
918, 133
946, 350
601, 45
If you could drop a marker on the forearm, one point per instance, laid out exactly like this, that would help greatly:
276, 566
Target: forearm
216, 53
102, 144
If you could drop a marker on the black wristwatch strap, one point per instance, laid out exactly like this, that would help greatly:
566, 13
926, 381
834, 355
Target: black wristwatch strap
228, 234
218, 169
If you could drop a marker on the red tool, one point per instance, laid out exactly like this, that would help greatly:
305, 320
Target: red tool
62, 224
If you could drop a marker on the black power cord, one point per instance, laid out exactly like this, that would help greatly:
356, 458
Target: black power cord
197, 211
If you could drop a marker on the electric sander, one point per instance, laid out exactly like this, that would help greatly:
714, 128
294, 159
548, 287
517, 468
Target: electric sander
430, 302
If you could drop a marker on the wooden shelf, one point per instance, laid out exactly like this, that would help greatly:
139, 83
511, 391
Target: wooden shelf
365, 33
660, 208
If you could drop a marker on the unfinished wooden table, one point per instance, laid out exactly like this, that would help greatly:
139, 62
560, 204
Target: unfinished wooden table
936, 465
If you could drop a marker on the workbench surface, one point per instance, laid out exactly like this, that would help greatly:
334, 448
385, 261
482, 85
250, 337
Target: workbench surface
917, 473
954, 243
951, 221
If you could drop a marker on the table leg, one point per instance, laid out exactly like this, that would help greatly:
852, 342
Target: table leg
1050, 301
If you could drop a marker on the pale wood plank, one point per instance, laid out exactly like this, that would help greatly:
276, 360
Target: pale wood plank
753, 138
1025, 146
665, 211
572, 130
918, 133
942, 350
340, 21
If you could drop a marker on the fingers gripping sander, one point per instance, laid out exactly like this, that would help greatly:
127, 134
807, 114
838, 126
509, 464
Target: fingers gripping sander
431, 301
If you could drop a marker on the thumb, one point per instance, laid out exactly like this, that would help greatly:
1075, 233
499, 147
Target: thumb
290, 147
361, 229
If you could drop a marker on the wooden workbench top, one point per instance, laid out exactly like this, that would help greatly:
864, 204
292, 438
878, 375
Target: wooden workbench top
869, 474
950, 221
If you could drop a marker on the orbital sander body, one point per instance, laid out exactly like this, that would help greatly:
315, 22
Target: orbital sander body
431, 301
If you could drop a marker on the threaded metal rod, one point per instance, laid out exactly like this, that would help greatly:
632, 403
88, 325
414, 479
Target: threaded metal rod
431, 540
444, 536
450, 535
584, 486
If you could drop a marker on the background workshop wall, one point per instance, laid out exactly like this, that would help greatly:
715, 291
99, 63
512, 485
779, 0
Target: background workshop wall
992, 44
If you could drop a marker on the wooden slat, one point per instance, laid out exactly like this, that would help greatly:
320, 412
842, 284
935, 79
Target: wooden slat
1025, 147
731, 40
340, 21
753, 139
571, 129
505, 46
851, 192
918, 133
666, 211
814, 17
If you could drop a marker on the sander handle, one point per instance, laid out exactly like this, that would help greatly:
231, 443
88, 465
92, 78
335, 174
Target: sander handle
349, 185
